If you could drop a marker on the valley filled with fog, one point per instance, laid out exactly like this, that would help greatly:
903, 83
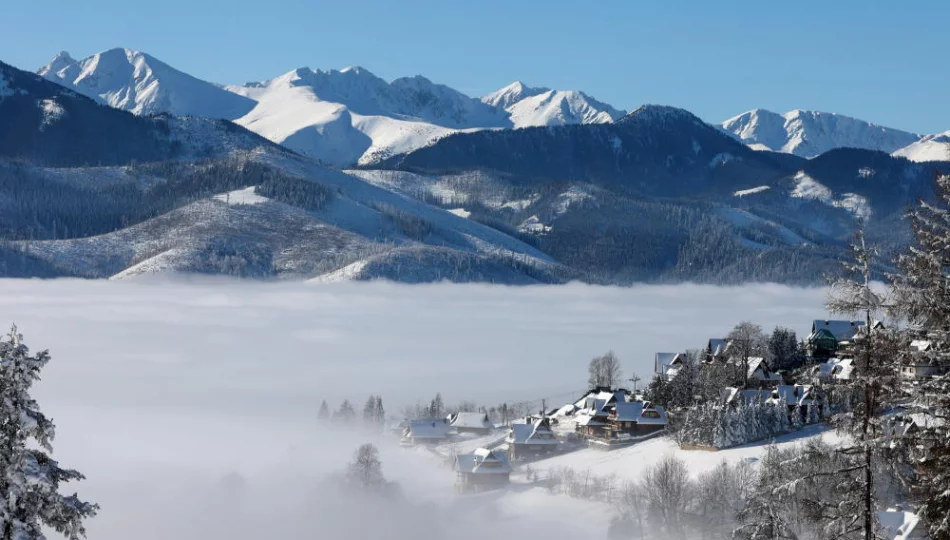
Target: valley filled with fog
191, 405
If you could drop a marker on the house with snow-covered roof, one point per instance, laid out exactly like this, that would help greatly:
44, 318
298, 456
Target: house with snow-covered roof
635, 418
531, 439
717, 350
745, 396
426, 431
482, 469
900, 524
471, 422
899, 426
805, 398
835, 370
827, 336
667, 365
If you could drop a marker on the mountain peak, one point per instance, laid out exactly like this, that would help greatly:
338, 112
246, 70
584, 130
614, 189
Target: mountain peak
59, 62
139, 83
507, 96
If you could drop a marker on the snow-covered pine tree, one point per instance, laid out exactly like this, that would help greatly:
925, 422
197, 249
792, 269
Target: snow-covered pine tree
30, 479
380, 413
922, 295
369, 411
346, 413
874, 380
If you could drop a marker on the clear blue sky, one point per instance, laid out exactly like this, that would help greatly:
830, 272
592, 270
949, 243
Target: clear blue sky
878, 60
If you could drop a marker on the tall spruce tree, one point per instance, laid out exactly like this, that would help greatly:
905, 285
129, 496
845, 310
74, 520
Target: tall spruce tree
922, 296
29, 477
874, 380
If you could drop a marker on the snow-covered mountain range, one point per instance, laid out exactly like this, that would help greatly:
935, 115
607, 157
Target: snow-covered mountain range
339, 117
350, 116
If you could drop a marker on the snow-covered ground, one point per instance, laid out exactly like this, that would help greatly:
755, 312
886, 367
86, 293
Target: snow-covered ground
197, 400
629, 464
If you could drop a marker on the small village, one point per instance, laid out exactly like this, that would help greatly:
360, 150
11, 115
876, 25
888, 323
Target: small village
741, 389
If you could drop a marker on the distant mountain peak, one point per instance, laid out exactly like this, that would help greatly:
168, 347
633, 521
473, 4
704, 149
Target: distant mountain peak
540, 106
808, 133
139, 83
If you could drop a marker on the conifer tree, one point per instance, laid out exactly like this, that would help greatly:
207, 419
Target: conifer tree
324, 413
29, 477
874, 380
922, 295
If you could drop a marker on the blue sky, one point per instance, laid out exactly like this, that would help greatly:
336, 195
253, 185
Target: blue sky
877, 60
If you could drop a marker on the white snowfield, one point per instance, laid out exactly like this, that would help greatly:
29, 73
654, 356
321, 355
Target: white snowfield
929, 148
810, 133
751, 191
807, 187
629, 464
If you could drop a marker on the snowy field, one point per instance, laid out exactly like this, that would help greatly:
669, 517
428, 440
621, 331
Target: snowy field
191, 405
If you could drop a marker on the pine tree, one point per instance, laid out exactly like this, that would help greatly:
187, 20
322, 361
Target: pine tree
922, 295
324, 413
437, 407
369, 411
874, 379
30, 479
346, 412
783, 350
380, 413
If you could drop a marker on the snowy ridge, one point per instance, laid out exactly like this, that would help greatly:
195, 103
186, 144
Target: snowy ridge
810, 133
139, 83
352, 116
545, 107
929, 148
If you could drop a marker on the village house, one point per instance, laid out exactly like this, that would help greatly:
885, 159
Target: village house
834, 370
471, 422
902, 525
919, 369
531, 439
634, 418
426, 431
593, 410
667, 365
717, 350
899, 426
759, 372
827, 337
745, 396
610, 417
483, 469
803, 397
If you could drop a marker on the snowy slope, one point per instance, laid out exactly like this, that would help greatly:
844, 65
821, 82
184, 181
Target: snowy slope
545, 107
629, 464
810, 133
929, 148
139, 83
348, 116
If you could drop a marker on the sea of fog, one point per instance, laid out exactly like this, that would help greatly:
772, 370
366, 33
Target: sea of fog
191, 405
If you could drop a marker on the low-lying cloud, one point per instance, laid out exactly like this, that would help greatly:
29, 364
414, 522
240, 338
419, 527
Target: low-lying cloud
191, 406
